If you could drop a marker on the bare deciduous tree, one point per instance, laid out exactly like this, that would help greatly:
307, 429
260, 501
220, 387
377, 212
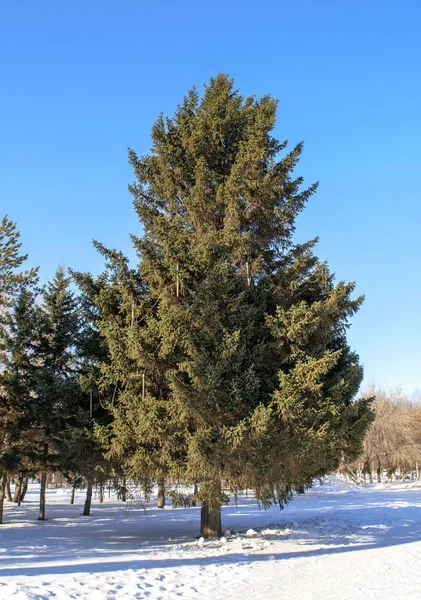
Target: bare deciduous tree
394, 439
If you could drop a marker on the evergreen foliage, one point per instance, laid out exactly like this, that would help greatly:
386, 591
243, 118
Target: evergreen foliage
220, 361
56, 387
56, 377
228, 344
146, 439
81, 449
11, 260
19, 347
19, 317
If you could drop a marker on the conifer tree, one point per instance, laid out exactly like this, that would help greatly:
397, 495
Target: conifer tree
61, 325
240, 332
56, 390
18, 319
19, 344
11, 261
144, 437
81, 449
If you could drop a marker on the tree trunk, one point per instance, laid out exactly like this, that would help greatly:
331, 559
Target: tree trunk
101, 493
367, 471
41, 516
300, 489
24, 489
18, 491
72, 497
351, 475
195, 491
417, 471
210, 514
161, 493
87, 507
2, 494
123, 491
8, 491
379, 471
210, 521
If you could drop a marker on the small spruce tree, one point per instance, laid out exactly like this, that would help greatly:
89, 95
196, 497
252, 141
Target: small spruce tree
56, 386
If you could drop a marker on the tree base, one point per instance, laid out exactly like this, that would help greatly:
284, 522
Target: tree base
2, 495
88, 500
210, 522
161, 500
161, 494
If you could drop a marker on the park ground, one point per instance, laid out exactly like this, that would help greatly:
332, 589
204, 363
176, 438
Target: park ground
338, 541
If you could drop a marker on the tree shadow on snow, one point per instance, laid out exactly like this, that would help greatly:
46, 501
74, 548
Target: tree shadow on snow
320, 536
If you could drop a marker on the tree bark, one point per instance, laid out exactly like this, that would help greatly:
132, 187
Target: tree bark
87, 507
210, 521
210, 514
2, 495
161, 493
101, 493
41, 516
379, 471
18, 491
195, 492
8, 491
123, 491
24, 489
72, 497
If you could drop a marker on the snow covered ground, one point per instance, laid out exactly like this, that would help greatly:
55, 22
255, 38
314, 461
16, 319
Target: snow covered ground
338, 541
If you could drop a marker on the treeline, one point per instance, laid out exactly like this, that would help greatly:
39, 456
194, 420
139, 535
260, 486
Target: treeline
392, 446
50, 356
221, 357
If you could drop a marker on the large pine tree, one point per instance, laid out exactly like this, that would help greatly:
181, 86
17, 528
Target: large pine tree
233, 353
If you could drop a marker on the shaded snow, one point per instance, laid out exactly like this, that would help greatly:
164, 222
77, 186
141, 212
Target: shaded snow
338, 541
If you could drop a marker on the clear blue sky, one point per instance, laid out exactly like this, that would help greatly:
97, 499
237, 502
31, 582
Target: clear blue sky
82, 80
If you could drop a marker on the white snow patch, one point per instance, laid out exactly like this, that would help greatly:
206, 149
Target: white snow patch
335, 542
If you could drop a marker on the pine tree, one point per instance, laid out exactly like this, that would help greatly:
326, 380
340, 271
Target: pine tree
56, 388
19, 343
143, 437
81, 441
18, 318
61, 325
240, 332
11, 261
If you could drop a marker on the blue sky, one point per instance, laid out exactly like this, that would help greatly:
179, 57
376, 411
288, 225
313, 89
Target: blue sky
80, 81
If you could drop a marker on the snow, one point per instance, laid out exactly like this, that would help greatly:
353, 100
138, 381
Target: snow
336, 542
